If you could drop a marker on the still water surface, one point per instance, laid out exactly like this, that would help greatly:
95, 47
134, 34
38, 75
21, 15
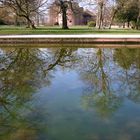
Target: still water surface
69, 94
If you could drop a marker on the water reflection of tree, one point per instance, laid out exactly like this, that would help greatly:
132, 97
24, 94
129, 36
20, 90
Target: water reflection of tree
19, 70
129, 60
99, 94
108, 82
22, 72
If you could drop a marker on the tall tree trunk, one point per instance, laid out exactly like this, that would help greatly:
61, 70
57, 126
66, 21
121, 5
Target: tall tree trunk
64, 6
37, 20
16, 20
138, 22
112, 18
101, 5
30, 23
123, 24
64, 18
101, 17
128, 24
138, 18
97, 19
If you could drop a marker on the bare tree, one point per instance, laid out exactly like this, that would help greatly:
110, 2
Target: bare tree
25, 8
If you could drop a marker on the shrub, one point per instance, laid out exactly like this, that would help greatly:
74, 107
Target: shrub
2, 22
135, 25
138, 25
56, 23
91, 24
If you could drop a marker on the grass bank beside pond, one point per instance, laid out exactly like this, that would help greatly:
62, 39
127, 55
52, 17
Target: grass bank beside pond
13, 30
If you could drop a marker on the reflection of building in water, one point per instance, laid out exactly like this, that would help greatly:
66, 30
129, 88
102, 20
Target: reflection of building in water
75, 17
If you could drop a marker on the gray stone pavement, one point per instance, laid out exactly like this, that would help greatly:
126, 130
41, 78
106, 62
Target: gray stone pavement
73, 36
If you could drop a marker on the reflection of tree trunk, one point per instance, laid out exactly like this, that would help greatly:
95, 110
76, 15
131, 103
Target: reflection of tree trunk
103, 75
58, 60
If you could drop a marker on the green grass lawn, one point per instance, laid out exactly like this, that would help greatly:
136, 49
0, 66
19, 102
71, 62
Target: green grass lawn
9, 30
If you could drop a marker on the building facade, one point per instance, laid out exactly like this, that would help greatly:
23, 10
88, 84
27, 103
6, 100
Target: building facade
77, 16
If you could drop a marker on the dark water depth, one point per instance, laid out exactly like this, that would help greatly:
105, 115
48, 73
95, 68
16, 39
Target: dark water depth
69, 94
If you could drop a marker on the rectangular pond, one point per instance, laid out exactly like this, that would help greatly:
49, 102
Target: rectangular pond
62, 93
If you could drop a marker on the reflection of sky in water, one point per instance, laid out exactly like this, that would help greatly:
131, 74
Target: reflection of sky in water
69, 120
90, 99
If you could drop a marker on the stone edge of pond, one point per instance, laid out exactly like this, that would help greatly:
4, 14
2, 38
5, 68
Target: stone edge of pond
70, 39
